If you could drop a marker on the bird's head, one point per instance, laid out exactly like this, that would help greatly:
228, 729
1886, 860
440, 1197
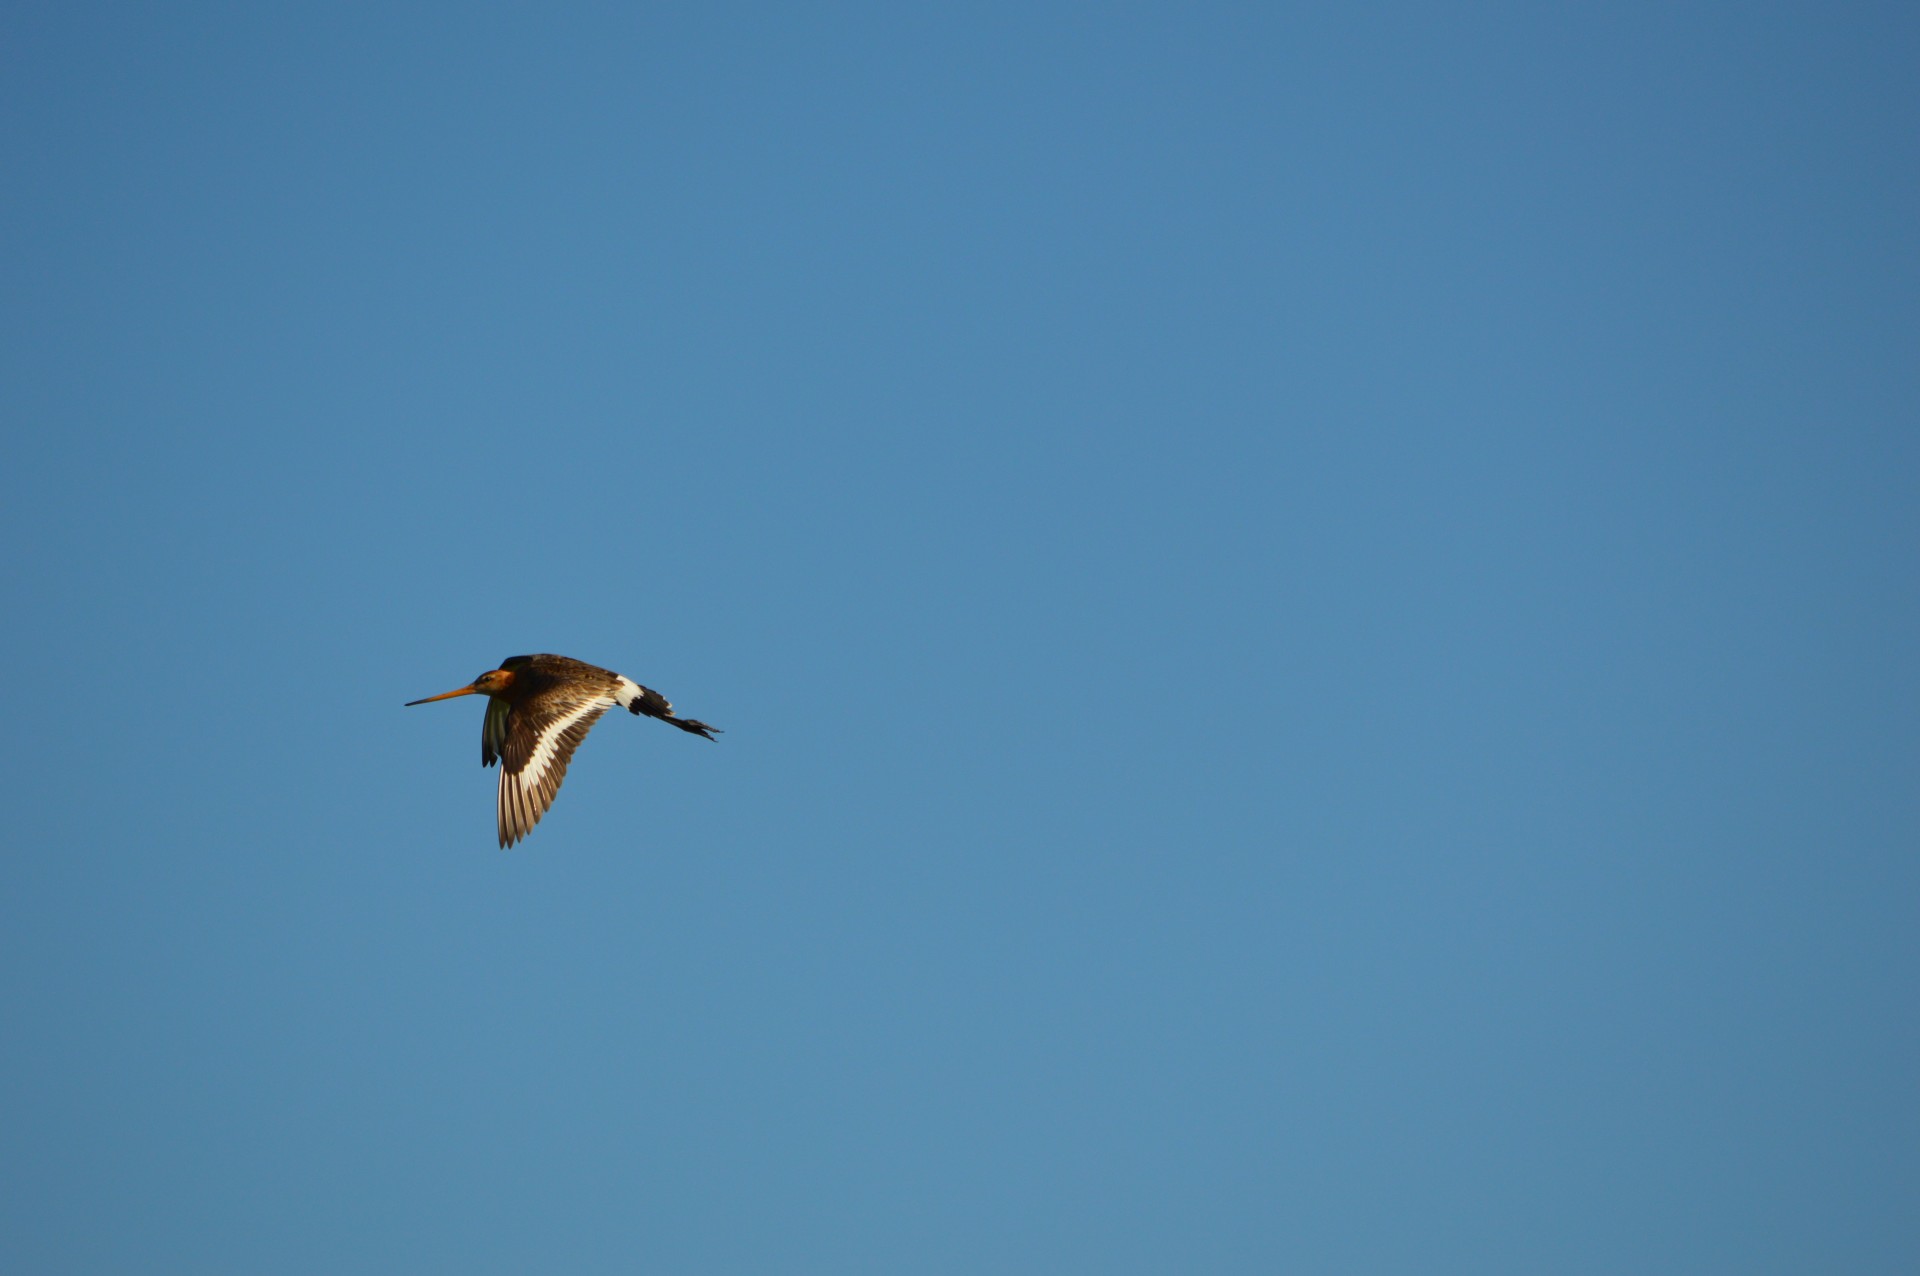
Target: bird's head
494, 682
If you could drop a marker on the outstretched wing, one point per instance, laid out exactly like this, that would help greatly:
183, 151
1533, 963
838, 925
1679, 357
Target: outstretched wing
493, 732
537, 737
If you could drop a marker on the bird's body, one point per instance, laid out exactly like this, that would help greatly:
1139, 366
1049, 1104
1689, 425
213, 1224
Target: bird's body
539, 709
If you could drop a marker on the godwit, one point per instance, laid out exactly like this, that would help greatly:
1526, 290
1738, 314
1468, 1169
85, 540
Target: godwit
539, 709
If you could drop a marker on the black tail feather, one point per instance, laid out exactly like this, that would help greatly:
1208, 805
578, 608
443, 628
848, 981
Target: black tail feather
694, 725
654, 705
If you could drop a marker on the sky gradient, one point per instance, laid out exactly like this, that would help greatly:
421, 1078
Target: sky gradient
1314, 610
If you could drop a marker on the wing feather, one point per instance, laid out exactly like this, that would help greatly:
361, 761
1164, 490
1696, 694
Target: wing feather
493, 732
537, 741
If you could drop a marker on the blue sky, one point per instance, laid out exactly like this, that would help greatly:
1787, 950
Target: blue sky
1313, 608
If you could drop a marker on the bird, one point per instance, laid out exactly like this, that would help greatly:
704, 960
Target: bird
539, 709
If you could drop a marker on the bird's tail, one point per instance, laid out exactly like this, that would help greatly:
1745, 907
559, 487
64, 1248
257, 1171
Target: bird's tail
654, 705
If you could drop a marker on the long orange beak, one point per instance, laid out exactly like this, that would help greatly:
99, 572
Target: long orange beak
445, 695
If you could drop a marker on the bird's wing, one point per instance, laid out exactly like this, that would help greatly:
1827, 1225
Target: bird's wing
493, 732
539, 737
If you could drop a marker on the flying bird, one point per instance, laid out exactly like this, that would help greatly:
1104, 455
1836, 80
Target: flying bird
539, 709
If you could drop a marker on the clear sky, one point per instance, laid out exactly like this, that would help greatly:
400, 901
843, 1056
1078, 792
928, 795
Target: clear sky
1314, 609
